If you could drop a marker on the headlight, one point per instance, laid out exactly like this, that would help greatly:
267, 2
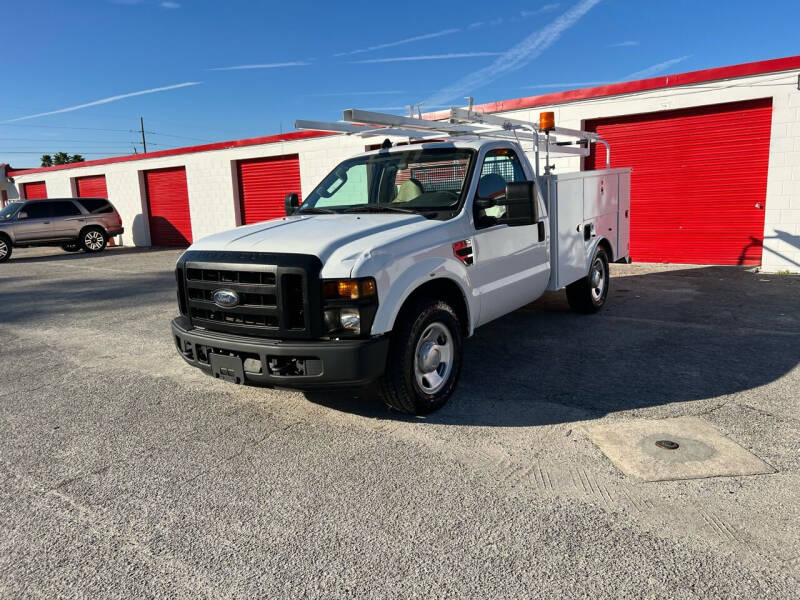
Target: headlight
343, 320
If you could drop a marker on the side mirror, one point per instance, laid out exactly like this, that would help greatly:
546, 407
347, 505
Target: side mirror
522, 204
22, 215
290, 204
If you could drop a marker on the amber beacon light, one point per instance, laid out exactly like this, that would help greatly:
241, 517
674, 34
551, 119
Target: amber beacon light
547, 121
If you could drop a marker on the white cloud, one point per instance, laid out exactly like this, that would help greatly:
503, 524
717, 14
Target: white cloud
373, 93
170, 5
526, 14
107, 100
566, 86
426, 57
517, 57
296, 63
625, 44
416, 38
654, 69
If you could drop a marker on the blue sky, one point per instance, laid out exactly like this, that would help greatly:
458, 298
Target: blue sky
79, 74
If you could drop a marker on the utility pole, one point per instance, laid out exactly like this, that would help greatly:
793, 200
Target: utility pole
144, 142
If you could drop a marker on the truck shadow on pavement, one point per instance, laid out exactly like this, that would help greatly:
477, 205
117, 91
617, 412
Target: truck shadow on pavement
669, 336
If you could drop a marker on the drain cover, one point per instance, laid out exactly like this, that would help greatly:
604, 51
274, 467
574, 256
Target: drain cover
667, 444
647, 449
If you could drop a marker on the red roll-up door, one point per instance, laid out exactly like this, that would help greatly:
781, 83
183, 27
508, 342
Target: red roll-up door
34, 190
699, 180
168, 207
263, 185
92, 187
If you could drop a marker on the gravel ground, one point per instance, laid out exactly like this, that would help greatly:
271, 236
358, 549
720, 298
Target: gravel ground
126, 473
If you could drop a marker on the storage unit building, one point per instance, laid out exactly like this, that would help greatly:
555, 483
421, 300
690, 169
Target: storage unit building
715, 157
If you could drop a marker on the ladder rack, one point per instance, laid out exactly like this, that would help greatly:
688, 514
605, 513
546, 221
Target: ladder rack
463, 123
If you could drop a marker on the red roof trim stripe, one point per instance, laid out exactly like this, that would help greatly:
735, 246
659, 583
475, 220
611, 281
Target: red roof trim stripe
269, 139
628, 87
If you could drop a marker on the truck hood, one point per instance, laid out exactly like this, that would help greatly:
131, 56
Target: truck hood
345, 235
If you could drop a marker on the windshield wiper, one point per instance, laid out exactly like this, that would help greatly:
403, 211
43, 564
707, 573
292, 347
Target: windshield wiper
311, 210
375, 208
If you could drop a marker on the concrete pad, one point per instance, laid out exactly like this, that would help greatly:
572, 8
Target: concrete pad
702, 450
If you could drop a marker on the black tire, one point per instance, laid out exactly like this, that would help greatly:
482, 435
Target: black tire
93, 239
399, 387
71, 247
5, 248
585, 295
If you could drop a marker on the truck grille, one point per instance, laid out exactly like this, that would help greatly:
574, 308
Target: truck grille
278, 294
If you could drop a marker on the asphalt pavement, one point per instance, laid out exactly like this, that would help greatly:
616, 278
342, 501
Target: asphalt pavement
125, 473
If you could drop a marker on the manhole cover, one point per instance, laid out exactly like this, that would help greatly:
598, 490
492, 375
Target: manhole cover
681, 448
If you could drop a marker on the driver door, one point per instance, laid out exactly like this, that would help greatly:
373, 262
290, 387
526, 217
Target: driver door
37, 224
511, 264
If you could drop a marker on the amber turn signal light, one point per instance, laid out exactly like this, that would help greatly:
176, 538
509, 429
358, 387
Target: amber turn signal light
349, 289
547, 121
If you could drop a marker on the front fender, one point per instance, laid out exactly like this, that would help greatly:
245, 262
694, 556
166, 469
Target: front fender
400, 287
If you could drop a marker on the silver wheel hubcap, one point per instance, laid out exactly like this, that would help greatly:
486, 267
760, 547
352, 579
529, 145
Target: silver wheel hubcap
93, 240
433, 358
597, 279
3, 249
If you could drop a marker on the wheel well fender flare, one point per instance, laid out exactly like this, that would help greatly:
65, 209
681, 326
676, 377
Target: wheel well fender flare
435, 278
606, 244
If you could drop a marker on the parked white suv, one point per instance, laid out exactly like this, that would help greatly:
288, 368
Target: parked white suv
395, 258
72, 223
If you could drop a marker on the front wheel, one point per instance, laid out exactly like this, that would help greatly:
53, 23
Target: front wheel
93, 240
5, 249
588, 295
424, 359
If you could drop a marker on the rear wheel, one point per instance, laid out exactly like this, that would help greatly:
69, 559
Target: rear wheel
5, 248
424, 358
71, 247
588, 295
93, 239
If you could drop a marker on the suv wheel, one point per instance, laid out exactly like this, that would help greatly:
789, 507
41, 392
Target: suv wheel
71, 247
424, 359
5, 248
93, 240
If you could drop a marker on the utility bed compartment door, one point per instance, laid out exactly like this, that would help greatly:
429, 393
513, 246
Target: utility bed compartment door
570, 248
585, 207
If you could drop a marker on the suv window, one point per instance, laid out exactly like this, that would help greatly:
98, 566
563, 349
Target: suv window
65, 209
38, 210
96, 206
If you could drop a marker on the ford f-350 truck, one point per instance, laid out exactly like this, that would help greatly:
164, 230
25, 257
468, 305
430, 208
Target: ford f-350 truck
398, 255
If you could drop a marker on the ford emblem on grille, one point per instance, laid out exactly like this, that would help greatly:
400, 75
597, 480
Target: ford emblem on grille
226, 298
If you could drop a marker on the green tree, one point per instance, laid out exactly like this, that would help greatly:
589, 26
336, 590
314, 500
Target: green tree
60, 158
76, 158
47, 160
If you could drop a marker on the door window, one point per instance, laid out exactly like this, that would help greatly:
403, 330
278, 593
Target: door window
38, 210
65, 209
500, 167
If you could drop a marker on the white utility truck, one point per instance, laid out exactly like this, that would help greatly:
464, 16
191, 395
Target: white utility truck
399, 254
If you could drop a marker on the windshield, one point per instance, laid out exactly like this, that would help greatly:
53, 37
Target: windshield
419, 180
10, 210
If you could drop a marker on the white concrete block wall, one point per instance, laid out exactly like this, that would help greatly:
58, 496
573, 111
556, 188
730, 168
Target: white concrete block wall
213, 197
